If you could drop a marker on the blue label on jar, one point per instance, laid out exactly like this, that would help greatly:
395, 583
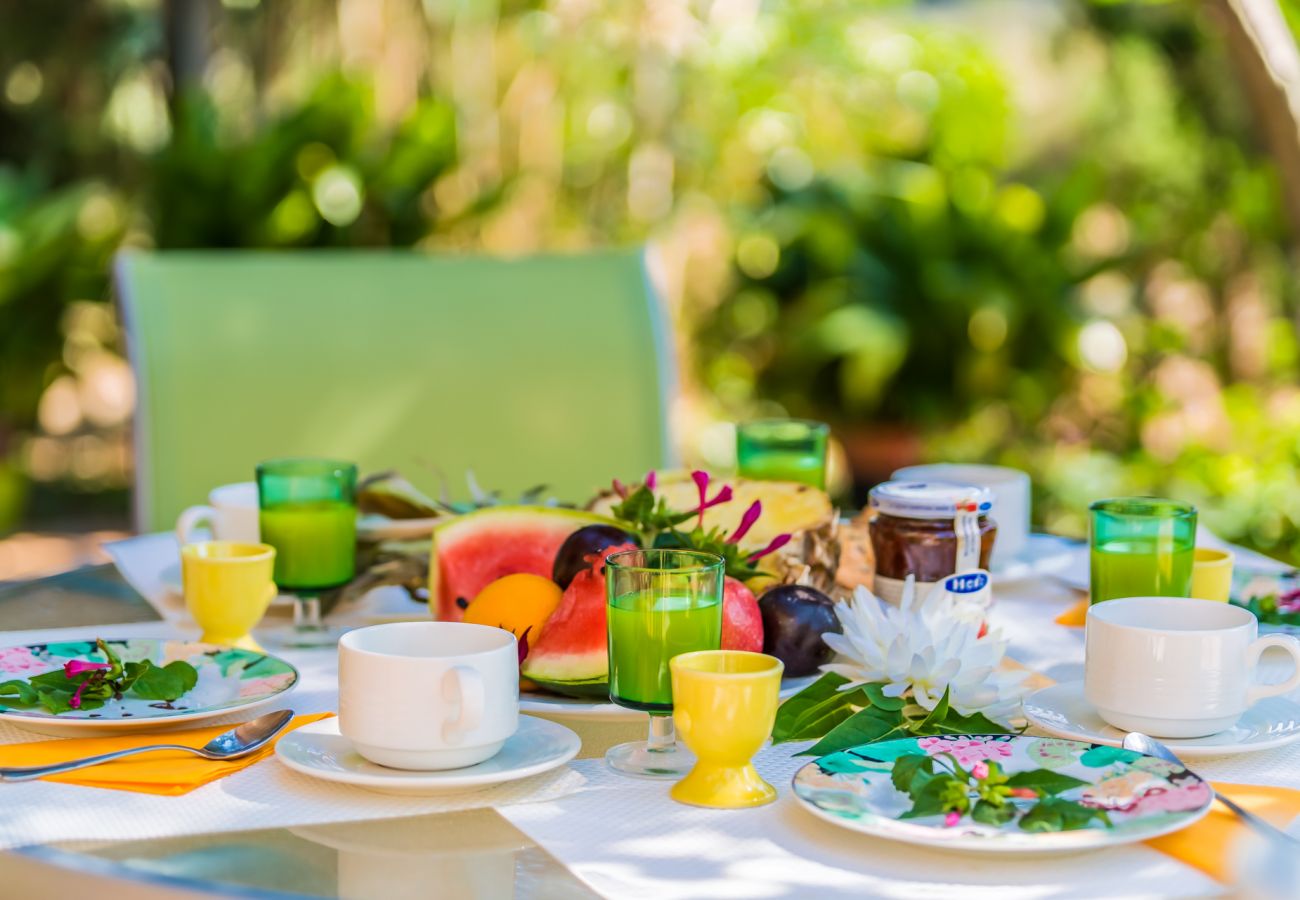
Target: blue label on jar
966, 582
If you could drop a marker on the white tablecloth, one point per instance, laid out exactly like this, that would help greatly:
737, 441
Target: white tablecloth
625, 837
264, 795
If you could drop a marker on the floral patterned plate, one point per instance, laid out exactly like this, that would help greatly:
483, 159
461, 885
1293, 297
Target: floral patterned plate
1144, 796
230, 680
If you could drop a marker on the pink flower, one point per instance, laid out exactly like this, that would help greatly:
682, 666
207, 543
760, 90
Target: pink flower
951, 819
746, 522
777, 543
1024, 793
75, 667
75, 702
651, 479
701, 480
980, 770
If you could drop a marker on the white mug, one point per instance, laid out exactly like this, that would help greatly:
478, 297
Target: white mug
230, 516
428, 695
1177, 668
1011, 499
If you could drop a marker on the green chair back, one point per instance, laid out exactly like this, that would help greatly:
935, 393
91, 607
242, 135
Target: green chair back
550, 370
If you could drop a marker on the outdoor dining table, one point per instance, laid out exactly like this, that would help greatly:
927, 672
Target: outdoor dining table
260, 832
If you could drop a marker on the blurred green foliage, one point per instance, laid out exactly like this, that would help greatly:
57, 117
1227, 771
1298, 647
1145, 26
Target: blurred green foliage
1039, 233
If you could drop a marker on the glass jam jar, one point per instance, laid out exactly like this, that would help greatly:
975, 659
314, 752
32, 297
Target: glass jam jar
929, 529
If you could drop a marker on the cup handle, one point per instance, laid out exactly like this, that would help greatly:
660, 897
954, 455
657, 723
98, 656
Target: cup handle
1256, 649
466, 685
191, 519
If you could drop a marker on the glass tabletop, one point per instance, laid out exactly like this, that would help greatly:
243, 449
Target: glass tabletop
466, 854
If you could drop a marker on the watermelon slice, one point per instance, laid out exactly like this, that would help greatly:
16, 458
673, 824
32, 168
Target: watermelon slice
572, 655
472, 551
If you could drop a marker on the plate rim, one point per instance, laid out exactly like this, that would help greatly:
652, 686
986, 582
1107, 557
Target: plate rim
1179, 746
21, 717
1048, 842
410, 781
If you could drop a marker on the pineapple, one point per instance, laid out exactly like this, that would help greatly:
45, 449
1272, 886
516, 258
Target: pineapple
813, 555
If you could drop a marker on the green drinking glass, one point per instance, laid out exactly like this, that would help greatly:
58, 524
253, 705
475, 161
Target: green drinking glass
783, 450
661, 603
309, 515
1142, 547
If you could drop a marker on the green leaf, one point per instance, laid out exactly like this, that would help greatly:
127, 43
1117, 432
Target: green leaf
1057, 814
794, 710
907, 767
931, 723
19, 692
188, 675
819, 719
976, 723
56, 701
988, 814
863, 727
1045, 780
58, 680
928, 796
156, 684
875, 693
131, 672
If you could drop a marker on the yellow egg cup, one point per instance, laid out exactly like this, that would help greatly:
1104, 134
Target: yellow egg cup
1211, 574
724, 704
228, 588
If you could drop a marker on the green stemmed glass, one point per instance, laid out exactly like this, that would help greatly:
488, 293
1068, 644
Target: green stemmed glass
309, 515
661, 603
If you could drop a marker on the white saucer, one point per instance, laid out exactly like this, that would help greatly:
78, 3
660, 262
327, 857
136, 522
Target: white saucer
1062, 710
320, 751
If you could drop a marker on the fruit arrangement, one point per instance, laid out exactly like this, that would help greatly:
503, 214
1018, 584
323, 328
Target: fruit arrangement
538, 571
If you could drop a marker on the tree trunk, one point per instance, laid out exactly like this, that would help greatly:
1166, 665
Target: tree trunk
1268, 63
188, 24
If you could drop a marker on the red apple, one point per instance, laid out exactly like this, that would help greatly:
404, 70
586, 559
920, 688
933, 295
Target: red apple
742, 623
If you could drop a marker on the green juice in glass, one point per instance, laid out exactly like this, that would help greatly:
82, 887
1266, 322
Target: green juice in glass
779, 465
645, 632
315, 543
1141, 568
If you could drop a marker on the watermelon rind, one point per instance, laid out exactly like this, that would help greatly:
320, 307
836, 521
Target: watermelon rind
580, 689
499, 516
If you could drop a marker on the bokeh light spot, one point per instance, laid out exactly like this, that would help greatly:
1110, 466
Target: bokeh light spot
1102, 347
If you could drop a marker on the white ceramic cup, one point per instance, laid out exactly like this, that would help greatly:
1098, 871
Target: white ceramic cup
231, 515
1011, 499
1177, 668
428, 695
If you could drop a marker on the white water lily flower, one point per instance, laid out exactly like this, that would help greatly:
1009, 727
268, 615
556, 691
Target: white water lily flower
922, 648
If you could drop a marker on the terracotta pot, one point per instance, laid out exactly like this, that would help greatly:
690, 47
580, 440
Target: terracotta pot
874, 452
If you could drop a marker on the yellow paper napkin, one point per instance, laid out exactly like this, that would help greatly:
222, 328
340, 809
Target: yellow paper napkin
1075, 616
167, 772
1208, 845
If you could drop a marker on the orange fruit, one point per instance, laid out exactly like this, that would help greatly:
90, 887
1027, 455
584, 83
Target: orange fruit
519, 603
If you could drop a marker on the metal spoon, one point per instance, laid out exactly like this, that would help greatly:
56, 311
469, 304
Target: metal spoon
1135, 740
238, 741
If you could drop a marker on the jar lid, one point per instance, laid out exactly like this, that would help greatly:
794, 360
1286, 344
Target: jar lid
928, 499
